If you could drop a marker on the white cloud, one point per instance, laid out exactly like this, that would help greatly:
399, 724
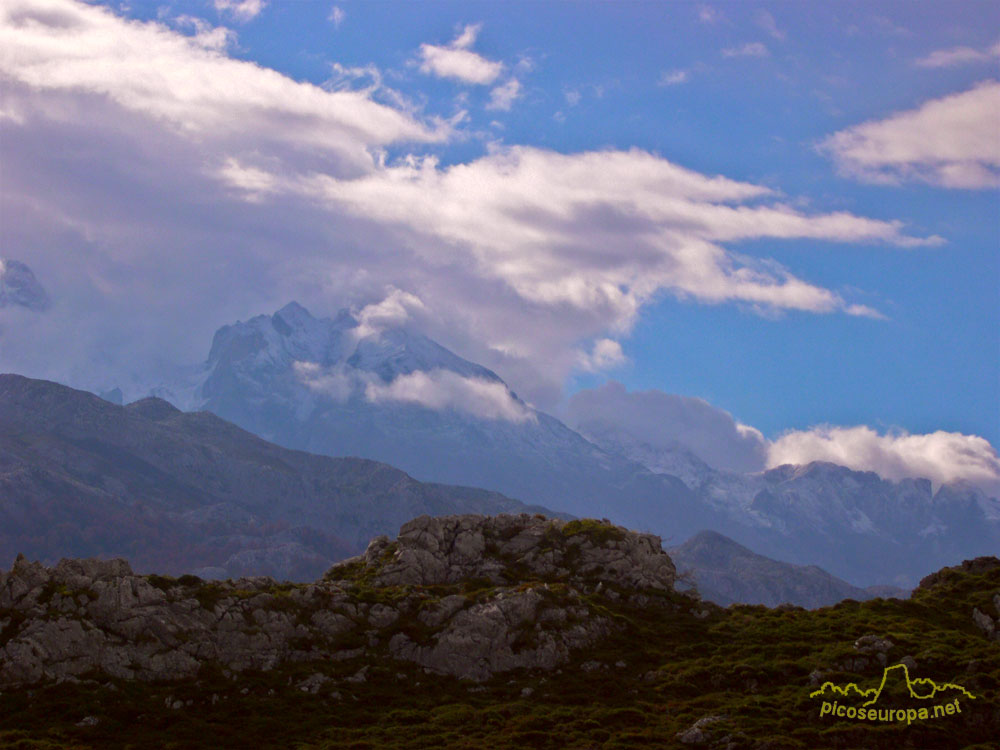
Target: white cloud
573, 97
766, 21
457, 61
605, 355
195, 89
168, 171
436, 389
673, 77
337, 16
503, 96
206, 35
750, 49
939, 456
597, 231
951, 142
664, 421
241, 10
444, 389
392, 311
950, 58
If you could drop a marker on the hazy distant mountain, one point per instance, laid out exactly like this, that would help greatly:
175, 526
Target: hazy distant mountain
854, 523
178, 491
328, 386
677, 460
726, 572
338, 387
19, 287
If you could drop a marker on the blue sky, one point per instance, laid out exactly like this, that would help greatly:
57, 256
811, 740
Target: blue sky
844, 280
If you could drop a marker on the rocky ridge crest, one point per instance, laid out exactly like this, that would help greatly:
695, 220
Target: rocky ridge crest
468, 596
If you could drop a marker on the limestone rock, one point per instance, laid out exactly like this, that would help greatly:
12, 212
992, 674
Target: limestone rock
507, 548
468, 596
698, 733
985, 623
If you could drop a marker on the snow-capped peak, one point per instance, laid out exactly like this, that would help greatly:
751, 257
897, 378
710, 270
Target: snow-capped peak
336, 357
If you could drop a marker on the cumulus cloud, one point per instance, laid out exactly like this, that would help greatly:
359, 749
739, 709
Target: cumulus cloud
241, 10
504, 95
457, 61
444, 389
191, 189
605, 354
750, 49
664, 421
939, 456
392, 311
951, 142
955, 56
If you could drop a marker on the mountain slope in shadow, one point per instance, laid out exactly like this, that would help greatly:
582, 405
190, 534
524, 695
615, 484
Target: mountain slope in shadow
726, 572
181, 492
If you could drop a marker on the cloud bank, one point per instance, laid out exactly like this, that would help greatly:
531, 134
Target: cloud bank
663, 420
950, 142
191, 188
444, 389
438, 389
939, 456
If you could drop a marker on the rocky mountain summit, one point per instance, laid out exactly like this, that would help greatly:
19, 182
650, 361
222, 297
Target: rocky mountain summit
468, 596
503, 549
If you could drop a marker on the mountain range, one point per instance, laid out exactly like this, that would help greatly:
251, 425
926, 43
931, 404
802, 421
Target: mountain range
338, 386
189, 492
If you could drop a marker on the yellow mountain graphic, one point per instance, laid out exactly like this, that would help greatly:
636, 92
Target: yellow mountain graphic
921, 688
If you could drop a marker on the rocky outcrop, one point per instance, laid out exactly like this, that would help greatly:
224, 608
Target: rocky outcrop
450, 549
975, 566
468, 596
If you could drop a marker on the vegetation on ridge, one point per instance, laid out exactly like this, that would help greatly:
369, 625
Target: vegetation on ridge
664, 670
